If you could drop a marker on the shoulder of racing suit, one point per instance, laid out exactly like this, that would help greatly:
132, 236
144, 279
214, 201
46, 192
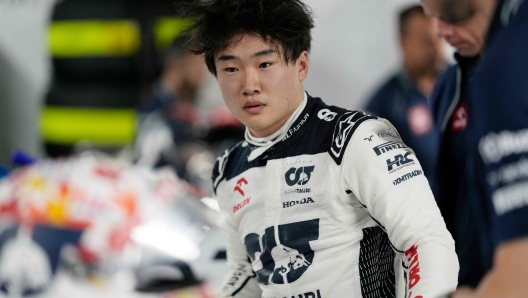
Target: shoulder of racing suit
320, 128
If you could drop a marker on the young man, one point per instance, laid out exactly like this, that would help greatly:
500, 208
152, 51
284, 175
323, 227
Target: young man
319, 201
497, 145
403, 98
450, 109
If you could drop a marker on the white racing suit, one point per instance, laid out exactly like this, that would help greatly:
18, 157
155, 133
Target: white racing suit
339, 208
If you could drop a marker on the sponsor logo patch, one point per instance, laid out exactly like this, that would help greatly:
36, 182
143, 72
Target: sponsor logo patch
298, 202
510, 198
459, 118
241, 205
298, 190
494, 147
326, 115
388, 134
295, 247
414, 267
238, 187
344, 129
509, 173
399, 162
420, 120
407, 177
293, 130
385, 147
369, 139
299, 176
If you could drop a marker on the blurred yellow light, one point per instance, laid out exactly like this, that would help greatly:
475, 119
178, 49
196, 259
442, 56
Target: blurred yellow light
66, 125
92, 38
166, 29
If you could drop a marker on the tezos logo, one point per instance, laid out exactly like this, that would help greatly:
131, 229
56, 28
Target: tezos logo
399, 160
238, 186
299, 176
326, 115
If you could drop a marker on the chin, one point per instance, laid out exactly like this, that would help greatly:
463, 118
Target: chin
468, 53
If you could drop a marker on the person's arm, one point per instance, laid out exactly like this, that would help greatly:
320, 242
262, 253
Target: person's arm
239, 280
508, 275
507, 278
386, 178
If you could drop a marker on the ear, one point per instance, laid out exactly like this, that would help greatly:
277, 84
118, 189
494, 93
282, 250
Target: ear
302, 66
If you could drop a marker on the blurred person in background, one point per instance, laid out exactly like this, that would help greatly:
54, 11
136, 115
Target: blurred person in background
497, 147
169, 115
449, 103
403, 99
175, 124
314, 188
174, 95
25, 73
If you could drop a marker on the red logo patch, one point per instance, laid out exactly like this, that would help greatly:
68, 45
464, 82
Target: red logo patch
420, 120
414, 267
239, 184
459, 117
241, 205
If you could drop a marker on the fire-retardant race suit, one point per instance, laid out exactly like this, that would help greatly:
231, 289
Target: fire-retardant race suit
339, 208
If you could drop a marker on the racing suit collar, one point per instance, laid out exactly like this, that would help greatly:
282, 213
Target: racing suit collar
263, 144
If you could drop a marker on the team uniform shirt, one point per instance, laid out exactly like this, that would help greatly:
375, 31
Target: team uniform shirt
499, 129
401, 102
338, 208
450, 108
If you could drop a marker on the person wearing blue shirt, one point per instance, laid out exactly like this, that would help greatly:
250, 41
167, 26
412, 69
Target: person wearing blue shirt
497, 152
450, 107
403, 98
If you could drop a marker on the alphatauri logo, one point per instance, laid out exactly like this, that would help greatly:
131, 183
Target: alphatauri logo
299, 176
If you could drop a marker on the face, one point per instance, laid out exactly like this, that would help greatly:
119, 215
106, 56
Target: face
422, 49
464, 28
186, 76
258, 87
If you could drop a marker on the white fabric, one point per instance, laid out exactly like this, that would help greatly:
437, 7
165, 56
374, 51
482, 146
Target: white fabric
271, 214
265, 143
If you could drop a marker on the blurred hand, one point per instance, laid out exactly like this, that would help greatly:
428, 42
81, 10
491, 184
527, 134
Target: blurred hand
464, 292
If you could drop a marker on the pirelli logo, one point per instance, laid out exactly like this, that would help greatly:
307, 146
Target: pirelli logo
386, 147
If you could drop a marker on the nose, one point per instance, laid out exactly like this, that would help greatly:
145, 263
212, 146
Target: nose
252, 83
444, 29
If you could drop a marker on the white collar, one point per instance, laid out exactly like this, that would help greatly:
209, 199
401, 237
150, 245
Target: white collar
265, 143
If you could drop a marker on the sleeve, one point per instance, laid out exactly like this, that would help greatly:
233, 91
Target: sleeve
240, 280
387, 180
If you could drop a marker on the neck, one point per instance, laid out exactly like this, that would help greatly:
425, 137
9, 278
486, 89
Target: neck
423, 78
293, 104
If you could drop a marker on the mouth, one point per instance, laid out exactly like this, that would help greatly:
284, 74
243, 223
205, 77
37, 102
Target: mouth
457, 44
253, 106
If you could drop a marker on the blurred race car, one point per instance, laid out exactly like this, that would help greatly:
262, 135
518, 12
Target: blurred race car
94, 226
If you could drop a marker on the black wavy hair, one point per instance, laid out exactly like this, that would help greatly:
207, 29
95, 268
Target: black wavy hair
286, 24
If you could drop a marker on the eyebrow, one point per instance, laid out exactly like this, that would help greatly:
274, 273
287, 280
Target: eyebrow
257, 54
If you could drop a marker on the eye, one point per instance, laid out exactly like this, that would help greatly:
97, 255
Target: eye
264, 65
231, 69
